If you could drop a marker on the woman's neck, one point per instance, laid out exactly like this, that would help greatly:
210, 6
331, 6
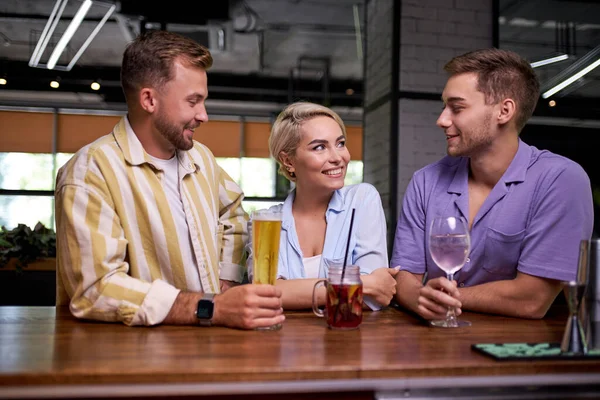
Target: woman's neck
307, 202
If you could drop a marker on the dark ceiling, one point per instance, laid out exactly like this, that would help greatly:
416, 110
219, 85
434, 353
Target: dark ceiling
275, 51
263, 50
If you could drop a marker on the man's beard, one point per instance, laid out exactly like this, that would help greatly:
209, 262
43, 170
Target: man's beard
479, 139
173, 133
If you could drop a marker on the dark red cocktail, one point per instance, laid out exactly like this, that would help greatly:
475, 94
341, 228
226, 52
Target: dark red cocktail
344, 305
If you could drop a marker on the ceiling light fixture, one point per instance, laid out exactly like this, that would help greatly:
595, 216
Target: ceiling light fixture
572, 73
67, 35
550, 60
3, 81
47, 32
571, 79
95, 86
54, 84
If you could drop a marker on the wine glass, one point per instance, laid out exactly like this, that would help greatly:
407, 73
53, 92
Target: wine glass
449, 245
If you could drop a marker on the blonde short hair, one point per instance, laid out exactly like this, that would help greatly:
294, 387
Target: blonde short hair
285, 133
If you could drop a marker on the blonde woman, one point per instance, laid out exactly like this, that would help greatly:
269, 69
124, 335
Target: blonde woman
309, 143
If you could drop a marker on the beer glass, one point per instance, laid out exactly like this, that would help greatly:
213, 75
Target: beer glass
344, 300
266, 230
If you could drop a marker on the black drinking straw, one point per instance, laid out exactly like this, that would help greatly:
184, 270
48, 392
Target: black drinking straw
337, 309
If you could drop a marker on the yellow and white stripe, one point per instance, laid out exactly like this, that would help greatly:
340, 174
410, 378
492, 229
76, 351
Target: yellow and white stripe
118, 251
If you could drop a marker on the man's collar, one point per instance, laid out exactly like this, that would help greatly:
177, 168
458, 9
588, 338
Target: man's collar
516, 171
128, 142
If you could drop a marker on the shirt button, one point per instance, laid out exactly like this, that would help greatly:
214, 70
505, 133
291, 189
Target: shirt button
468, 259
462, 284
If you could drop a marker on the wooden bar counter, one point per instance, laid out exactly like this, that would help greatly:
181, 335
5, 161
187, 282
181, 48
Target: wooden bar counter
47, 353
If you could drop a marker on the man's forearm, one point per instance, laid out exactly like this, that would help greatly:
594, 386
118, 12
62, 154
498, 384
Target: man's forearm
183, 310
407, 289
525, 296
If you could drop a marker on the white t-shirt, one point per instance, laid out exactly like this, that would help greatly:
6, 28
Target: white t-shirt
170, 183
311, 266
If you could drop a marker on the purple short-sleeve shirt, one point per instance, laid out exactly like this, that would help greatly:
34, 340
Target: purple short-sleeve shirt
532, 221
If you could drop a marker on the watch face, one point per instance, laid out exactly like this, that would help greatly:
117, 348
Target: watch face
205, 309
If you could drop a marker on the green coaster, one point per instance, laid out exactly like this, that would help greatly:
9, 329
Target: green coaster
530, 351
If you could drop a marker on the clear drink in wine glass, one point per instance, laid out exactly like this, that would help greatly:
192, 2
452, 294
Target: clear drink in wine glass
449, 245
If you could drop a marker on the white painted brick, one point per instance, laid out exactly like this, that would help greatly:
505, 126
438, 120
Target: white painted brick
474, 30
418, 120
472, 5
428, 26
429, 4
414, 87
484, 18
464, 43
425, 39
440, 65
408, 51
413, 64
408, 25
425, 79
461, 16
418, 12
421, 106
418, 3
434, 52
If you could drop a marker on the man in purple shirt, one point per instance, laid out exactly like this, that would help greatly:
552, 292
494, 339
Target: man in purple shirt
527, 209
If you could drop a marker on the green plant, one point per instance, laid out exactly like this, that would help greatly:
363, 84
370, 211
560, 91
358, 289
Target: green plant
26, 244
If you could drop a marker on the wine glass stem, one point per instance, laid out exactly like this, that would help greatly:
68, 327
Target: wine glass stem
451, 313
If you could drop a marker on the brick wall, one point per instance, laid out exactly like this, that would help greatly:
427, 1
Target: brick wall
378, 92
431, 33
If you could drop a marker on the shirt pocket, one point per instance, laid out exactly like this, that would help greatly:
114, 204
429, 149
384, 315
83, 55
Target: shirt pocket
502, 251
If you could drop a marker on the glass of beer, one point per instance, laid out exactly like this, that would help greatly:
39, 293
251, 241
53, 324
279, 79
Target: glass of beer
266, 230
344, 300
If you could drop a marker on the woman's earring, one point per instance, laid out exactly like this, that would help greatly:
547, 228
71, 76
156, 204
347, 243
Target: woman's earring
292, 173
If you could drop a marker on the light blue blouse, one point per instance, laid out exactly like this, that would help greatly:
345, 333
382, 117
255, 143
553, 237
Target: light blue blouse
368, 246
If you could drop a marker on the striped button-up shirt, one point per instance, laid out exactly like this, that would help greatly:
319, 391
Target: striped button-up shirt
118, 252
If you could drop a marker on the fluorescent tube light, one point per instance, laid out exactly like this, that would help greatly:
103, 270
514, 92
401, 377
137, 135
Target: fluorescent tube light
550, 60
91, 37
47, 32
66, 37
571, 79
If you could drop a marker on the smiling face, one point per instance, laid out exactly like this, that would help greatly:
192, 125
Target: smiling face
181, 107
466, 119
321, 158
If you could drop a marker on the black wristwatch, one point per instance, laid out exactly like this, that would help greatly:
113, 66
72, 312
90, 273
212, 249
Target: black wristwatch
206, 307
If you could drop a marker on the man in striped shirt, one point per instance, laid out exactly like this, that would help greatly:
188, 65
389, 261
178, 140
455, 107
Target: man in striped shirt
150, 229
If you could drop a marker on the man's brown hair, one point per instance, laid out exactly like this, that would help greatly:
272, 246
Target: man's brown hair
501, 74
148, 60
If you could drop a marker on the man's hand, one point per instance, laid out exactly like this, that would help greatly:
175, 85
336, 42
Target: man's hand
227, 284
248, 307
436, 297
380, 285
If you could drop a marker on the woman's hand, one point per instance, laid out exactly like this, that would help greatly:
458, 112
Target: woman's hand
380, 285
